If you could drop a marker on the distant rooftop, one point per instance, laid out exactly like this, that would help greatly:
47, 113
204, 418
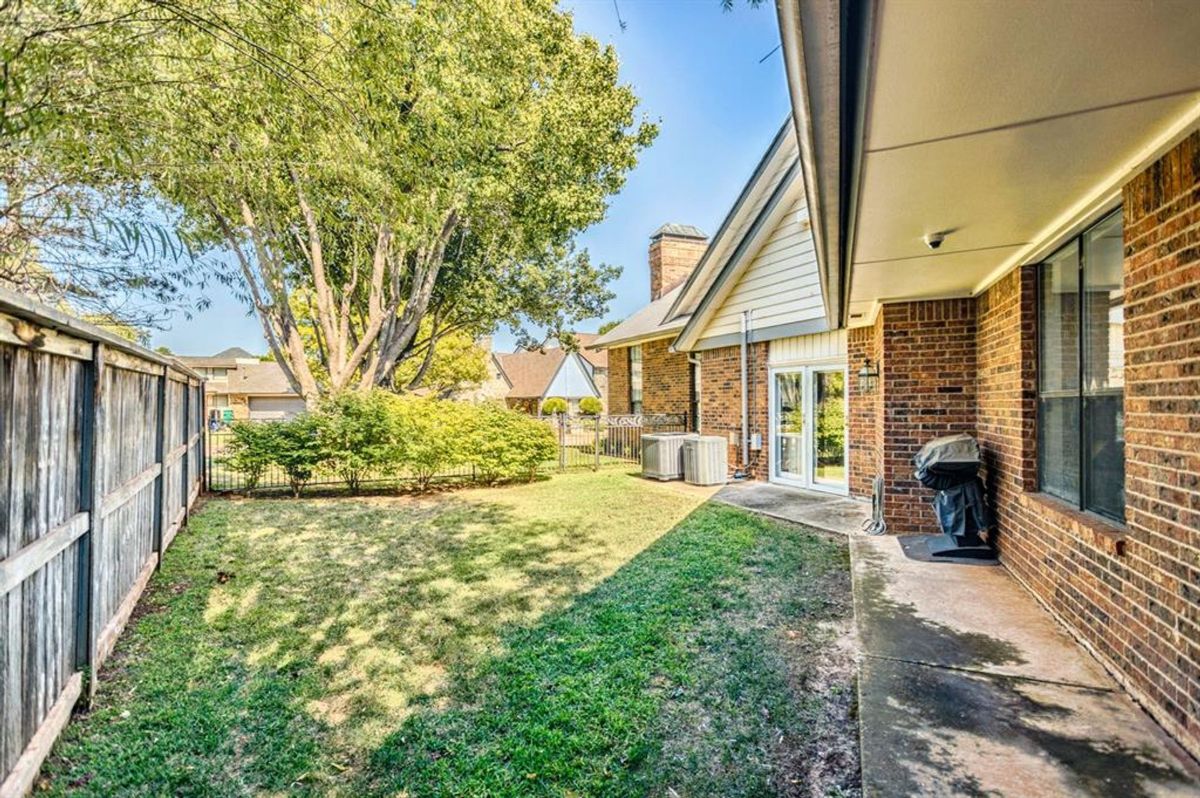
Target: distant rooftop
679, 231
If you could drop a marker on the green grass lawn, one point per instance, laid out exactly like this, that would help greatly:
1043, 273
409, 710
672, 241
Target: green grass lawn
591, 634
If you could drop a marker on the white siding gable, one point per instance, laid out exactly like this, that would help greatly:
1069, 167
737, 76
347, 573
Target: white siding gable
780, 285
571, 381
808, 348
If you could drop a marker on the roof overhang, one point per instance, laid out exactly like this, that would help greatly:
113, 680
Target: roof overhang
1009, 127
812, 35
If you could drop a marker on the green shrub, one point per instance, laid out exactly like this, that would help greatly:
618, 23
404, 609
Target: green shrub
590, 406
507, 445
297, 448
356, 438
427, 435
554, 405
251, 449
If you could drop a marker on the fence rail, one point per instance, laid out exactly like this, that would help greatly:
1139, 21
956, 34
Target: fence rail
100, 455
584, 442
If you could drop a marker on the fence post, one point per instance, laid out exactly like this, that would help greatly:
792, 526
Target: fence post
596, 467
160, 453
562, 443
90, 485
187, 449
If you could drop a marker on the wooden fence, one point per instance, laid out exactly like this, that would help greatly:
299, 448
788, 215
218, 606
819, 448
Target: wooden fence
100, 461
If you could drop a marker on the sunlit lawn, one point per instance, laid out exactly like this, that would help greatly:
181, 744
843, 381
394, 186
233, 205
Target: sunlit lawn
591, 634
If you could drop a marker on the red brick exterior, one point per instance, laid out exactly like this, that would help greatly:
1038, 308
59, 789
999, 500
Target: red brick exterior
864, 425
721, 402
665, 379
1130, 593
672, 259
926, 388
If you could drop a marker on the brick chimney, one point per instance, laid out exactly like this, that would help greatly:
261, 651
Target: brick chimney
675, 249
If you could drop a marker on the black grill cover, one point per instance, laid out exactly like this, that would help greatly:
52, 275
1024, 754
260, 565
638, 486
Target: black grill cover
947, 462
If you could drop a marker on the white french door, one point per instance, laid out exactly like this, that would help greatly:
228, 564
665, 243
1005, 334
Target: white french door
808, 426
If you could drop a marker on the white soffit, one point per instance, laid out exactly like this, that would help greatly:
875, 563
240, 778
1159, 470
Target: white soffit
1004, 122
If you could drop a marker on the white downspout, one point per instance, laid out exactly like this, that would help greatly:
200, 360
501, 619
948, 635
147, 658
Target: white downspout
745, 393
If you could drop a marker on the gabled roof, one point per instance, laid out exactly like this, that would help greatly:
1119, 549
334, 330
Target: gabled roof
530, 372
771, 168
647, 324
597, 357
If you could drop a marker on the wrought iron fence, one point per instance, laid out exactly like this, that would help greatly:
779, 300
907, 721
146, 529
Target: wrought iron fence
584, 442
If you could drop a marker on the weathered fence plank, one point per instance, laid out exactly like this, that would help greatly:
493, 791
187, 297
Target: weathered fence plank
91, 493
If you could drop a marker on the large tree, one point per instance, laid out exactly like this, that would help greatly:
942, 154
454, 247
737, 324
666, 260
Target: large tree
408, 166
74, 230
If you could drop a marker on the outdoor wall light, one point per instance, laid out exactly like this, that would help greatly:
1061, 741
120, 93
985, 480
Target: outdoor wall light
867, 376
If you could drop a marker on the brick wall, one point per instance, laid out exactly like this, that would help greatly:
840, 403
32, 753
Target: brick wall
865, 422
1131, 594
665, 377
928, 390
721, 402
618, 381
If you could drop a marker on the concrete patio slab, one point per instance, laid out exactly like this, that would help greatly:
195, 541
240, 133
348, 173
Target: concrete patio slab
825, 511
968, 687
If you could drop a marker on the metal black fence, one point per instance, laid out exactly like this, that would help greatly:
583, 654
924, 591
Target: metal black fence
584, 442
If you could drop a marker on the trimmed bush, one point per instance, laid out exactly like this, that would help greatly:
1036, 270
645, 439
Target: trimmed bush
553, 406
356, 435
507, 445
427, 435
297, 449
590, 406
251, 449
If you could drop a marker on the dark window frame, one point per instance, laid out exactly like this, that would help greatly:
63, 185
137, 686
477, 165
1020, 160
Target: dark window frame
1079, 393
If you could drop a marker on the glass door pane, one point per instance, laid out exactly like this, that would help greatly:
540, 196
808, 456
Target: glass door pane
829, 426
789, 425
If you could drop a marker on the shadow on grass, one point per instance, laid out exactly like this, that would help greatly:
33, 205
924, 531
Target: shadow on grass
491, 646
687, 669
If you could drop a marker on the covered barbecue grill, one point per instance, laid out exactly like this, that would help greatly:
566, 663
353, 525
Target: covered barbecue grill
950, 466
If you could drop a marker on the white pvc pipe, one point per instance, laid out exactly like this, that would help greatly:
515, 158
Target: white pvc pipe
745, 392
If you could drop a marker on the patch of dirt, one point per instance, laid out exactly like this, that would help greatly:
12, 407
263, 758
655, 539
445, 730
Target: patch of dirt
830, 762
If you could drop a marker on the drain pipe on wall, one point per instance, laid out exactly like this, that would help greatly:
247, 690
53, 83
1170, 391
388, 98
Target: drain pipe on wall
741, 472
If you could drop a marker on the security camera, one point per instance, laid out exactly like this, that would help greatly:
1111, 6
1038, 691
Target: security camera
934, 240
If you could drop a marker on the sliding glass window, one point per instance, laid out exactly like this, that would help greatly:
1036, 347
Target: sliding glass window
1081, 380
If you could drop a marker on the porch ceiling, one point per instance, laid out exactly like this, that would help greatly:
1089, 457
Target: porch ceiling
1007, 125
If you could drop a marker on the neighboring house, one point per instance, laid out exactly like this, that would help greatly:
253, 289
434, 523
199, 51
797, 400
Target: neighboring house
240, 386
979, 220
536, 375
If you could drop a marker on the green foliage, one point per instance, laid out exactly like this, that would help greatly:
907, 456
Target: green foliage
250, 451
427, 436
608, 325
554, 405
356, 434
507, 445
387, 436
590, 406
458, 362
297, 449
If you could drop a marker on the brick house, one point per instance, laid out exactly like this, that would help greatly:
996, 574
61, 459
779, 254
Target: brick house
1005, 206
644, 374
530, 377
736, 335
239, 385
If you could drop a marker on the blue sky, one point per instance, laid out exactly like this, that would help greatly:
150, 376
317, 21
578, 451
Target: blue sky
697, 72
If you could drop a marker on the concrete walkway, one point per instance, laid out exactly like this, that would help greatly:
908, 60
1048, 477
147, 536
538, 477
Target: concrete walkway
825, 511
969, 687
